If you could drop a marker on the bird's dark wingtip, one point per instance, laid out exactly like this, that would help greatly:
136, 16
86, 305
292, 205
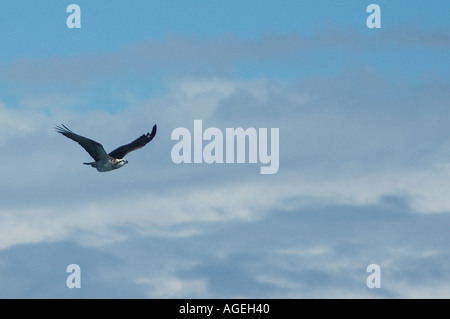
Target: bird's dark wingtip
58, 128
62, 129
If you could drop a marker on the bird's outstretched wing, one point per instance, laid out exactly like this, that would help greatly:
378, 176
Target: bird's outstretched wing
94, 148
141, 141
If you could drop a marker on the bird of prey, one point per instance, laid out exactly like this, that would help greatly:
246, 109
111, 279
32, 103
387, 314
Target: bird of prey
106, 162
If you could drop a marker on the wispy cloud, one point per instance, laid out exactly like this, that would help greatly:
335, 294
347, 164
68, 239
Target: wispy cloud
178, 53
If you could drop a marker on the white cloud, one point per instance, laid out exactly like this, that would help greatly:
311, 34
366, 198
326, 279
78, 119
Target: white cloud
306, 251
15, 122
95, 214
330, 157
174, 287
99, 222
179, 212
422, 291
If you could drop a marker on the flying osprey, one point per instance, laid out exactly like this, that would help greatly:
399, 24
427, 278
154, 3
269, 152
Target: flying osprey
106, 162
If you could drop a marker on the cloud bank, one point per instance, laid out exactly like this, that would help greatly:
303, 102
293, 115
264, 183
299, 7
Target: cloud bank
363, 174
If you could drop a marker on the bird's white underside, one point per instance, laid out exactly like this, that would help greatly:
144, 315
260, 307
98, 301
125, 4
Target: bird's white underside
108, 165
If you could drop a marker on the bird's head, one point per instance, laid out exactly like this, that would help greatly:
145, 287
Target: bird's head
121, 162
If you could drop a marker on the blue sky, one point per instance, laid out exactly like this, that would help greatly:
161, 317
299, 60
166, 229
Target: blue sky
364, 149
